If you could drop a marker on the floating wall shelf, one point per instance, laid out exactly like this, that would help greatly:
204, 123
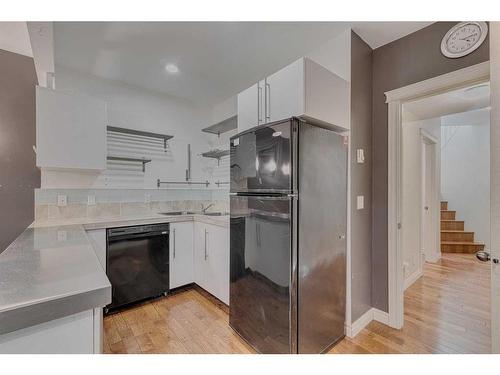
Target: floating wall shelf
224, 126
129, 159
215, 154
141, 133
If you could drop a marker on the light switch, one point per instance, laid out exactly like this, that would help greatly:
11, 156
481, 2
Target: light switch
360, 202
62, 200
360, 156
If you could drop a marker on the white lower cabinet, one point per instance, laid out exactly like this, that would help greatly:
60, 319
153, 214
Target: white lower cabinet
181, 254
75, 334
211, 259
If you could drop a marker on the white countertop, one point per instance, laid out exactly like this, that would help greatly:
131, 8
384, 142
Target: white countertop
122, 221
51, 270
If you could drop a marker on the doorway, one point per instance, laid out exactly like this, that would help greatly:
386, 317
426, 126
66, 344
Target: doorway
397, 100
430, 195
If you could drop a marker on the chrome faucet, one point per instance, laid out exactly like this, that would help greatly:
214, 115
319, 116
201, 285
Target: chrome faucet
204, 209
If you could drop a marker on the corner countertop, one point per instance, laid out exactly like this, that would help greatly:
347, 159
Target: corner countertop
51, 270
46, 276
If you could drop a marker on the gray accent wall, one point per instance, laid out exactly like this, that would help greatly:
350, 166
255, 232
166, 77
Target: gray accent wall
18, 173
361, 177
411, 59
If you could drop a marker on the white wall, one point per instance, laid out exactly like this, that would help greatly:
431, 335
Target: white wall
412, 191
135, 108
465, 170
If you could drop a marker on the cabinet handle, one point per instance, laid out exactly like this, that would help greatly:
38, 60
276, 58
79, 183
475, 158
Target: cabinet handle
206, 255
174, 243
268, 101
259, 109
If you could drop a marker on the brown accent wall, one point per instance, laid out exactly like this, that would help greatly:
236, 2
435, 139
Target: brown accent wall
18, 173
411, 59
361, 176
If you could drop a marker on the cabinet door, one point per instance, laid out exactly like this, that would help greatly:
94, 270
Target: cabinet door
200, 254
217, 271
181, 254
327, 96
250, 110
70, 130
284, 92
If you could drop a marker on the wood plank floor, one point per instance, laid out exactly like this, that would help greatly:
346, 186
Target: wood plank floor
446, 311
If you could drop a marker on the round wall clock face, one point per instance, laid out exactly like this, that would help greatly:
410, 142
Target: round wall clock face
463, 39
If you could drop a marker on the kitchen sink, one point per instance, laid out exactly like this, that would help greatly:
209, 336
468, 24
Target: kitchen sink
215, 213
177, 213
172, 213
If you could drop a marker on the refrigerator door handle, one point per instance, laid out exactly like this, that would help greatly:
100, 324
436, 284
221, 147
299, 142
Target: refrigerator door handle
268, 101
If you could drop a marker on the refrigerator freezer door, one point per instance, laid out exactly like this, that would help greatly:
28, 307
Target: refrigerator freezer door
261, 159
260, 271
322, 241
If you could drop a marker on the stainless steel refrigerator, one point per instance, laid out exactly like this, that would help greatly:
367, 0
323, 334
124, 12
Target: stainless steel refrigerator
288, 205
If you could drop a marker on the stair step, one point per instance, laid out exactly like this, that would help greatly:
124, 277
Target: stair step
461, 247
444, 205
452, 225
448, 215
456, 236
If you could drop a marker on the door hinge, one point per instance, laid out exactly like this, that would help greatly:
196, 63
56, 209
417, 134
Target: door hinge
399, 226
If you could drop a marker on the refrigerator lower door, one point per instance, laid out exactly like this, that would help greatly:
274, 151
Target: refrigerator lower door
261, 230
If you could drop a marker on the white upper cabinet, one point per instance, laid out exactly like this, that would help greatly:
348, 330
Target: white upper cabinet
248, 107
70, 131
181, 254
284, 94
302, 89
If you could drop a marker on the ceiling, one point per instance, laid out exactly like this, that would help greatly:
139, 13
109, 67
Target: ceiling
458, 101
14, 38
470, 118
215, 59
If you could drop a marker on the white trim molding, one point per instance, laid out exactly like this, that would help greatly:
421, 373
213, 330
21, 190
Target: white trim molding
395, 99
440, 84
365, 319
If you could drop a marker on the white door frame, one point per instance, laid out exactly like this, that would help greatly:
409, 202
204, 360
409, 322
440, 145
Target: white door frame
395, 99
427, 139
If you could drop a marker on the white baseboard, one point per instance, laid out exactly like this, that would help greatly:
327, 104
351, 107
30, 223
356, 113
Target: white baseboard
435, 258
365, 319
414, 277
357, 326
380, 316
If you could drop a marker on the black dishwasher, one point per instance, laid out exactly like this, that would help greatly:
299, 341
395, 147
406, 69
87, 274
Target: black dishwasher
137, 263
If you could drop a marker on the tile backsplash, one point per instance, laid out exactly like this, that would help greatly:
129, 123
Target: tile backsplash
124, 202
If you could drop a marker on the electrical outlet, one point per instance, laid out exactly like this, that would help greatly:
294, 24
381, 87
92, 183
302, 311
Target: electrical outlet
61, 235
91, 200
62, 200
147, 198
405, 268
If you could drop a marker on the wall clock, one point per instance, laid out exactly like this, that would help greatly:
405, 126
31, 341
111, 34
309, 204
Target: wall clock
463, 38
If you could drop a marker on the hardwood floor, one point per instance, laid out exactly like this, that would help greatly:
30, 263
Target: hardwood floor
446, 311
